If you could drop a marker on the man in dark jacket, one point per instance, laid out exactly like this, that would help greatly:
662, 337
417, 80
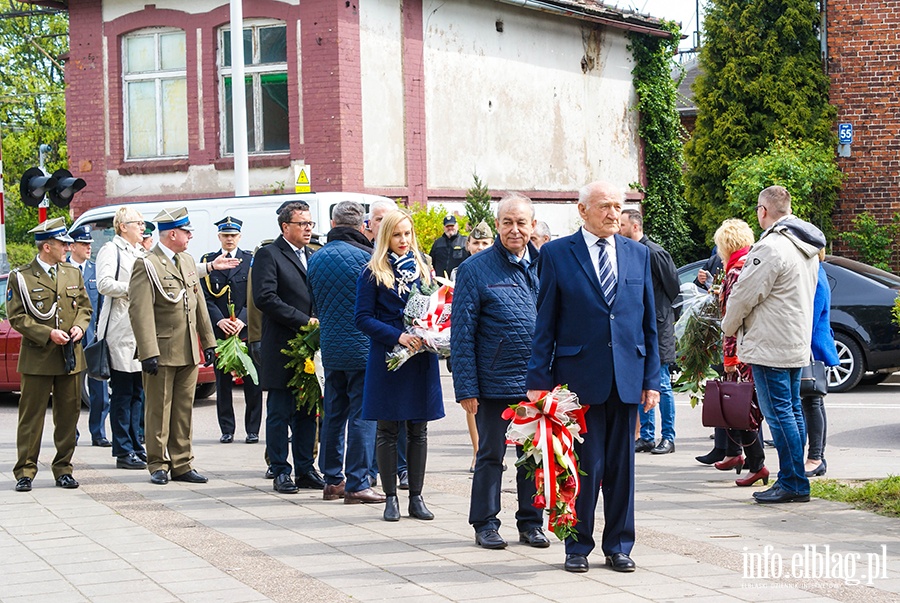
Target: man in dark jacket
282, 295
494, 311
449, 250
221, 289
333, 272
665, 290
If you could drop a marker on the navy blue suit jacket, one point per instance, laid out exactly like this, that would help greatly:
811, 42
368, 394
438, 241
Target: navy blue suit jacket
236, 280
579, 340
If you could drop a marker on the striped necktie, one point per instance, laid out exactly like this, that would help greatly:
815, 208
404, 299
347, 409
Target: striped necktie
607, 276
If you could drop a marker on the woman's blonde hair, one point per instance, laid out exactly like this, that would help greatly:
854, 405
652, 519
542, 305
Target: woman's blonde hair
732, 235
380, 264
124, 215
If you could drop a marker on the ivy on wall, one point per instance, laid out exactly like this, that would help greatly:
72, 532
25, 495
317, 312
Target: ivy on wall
665, 210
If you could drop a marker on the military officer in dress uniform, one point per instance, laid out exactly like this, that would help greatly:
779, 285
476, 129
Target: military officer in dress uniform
224, 288
46, 302
168, 313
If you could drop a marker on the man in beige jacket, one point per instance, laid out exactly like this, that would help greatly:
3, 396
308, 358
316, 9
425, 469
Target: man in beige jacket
168, 314
771, 311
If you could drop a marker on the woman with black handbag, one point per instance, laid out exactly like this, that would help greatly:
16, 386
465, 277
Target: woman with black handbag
733, 240
114, 263
823, 350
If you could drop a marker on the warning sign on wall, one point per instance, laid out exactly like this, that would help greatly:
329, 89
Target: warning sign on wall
301, 179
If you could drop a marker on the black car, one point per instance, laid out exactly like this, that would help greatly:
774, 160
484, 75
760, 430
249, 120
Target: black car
867, 341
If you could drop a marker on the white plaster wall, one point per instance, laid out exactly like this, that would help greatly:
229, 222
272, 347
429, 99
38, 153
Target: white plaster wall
113, 9
381, 64
203, 179
517, 107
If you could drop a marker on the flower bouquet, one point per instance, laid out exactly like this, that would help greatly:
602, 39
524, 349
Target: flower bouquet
547, 430
698, 334
302, 351
427, 315
232, 356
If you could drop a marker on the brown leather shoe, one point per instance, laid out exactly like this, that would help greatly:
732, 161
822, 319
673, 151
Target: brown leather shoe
363, 496
334, 491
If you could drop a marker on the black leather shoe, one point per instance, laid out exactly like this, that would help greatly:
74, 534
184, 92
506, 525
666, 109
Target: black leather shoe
252, 438
66, 481
284, 484
664, 447
534, 537
404, 480
130, 461
141, 455
490, 539
102, 442
620, 562
776, 494
391, 508
310, 480
159, 477
712, 457
577, 564
191, 477
642, 445
417, 508
227, 438
23, 485
269, 473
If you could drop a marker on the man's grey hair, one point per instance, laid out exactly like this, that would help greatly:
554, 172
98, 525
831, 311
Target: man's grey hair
542, 229
390, 205
348, 213
777, 200
634, 216
511, 199
600, 189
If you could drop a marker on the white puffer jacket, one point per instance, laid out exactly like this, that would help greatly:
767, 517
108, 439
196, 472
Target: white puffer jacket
771, 305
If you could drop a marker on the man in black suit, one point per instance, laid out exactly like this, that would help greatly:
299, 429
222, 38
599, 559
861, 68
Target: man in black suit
223, 288
281, 292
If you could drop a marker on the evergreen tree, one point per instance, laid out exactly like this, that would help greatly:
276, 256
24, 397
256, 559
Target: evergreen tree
478, 205
761, 77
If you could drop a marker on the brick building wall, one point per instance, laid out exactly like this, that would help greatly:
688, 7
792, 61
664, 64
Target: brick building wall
864, 67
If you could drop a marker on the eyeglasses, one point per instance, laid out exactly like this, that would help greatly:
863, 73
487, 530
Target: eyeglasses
762, 206
304, 224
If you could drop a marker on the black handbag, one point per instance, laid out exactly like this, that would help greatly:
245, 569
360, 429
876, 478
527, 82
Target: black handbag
731, 405
813, 379
96, 355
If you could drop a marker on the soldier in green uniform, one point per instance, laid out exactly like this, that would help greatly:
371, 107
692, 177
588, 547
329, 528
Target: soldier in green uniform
168, 314
47, 303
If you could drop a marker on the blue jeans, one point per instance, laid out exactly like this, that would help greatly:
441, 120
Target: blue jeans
126, 410
666, 409
778, 390
342, 410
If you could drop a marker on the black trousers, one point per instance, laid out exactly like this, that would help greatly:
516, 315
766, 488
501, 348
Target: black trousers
225, 404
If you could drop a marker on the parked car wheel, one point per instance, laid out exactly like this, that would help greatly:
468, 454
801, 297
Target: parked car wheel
846, 375
205, 390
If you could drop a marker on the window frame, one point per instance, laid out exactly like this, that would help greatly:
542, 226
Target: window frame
253, 70
157, 76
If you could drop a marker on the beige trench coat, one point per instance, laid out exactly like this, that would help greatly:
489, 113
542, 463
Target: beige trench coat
119, 334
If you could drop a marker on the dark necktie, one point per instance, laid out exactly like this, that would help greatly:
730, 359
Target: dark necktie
52, 272
607, 276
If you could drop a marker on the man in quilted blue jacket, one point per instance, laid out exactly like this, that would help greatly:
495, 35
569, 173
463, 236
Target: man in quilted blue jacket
333, 271
494, 312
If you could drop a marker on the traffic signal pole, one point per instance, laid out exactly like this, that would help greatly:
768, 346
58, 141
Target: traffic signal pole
4, 258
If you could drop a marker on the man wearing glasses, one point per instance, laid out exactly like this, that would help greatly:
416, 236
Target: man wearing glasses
281, 293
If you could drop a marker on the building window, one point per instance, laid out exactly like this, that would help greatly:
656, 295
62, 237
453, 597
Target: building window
155, 82
265, 80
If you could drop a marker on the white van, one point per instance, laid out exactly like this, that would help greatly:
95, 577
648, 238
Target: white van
257, 214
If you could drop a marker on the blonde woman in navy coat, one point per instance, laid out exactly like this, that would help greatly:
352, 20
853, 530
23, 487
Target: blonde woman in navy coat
411, 395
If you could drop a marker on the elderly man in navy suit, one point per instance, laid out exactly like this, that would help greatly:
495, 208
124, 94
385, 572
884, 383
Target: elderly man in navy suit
596, 332
80, 257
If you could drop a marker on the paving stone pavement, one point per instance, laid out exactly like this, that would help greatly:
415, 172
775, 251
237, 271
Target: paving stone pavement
235, 540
